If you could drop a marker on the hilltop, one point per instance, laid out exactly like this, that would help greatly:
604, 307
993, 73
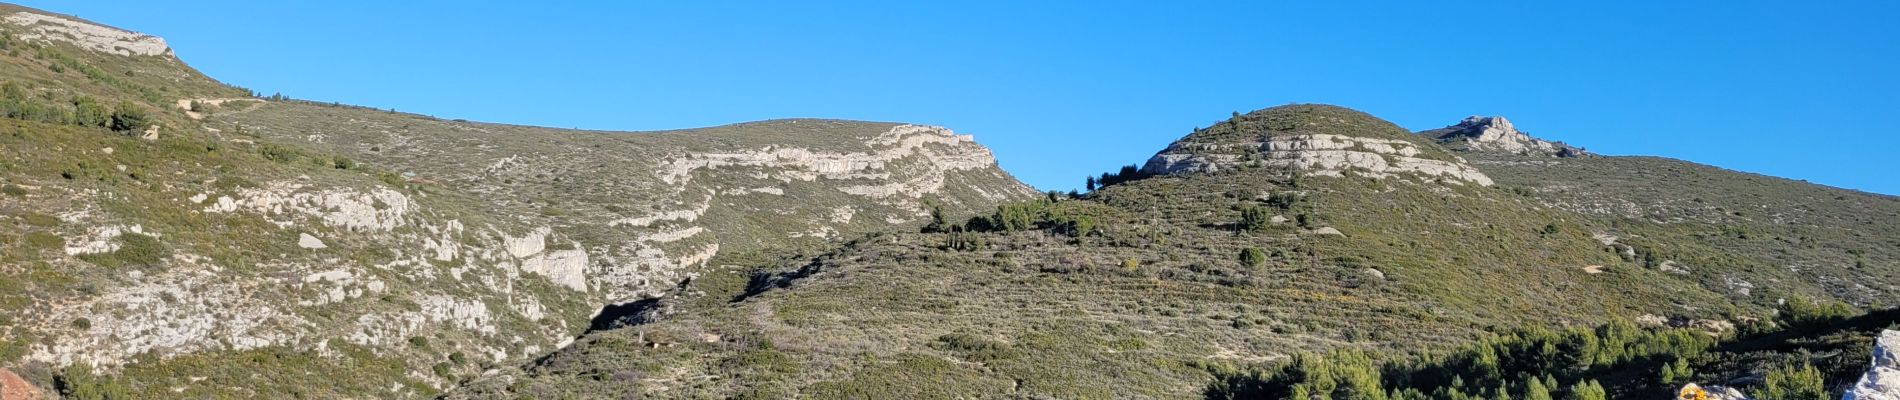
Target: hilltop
163, 234
1274, 234
191, 238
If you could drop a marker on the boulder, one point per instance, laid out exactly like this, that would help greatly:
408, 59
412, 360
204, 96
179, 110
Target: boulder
1697, 392
1882, 381
304, 240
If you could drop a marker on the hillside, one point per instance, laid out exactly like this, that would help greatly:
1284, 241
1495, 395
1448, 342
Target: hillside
1265, 249
186, 238
165, 235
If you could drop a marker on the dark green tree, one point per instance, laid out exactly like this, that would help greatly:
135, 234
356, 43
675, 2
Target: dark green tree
1253, 257
1536, 390
88, 112
129, 117
1255, 218
1586, 390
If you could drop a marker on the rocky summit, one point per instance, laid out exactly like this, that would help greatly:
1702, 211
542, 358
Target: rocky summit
1498, 135
1312, 139
167, 235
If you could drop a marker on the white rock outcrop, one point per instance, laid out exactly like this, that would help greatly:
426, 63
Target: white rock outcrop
101, 239
1693, 391
1316, 154
1882, 380
563, 267
304, 240
105, 39
375, 210
942, 150
1498, 134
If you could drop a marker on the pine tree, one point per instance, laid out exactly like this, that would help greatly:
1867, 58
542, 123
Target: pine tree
1536, 390
1586, 390
89, 112
1791, 383
1254, 219
129, 117
937, 222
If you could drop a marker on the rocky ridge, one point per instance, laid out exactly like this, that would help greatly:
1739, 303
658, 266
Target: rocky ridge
1279, 138
492, 243
44, 28
1497, 134
643, 208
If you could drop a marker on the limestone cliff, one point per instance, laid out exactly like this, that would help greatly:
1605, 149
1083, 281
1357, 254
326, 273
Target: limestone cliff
1312, 139
1497, 134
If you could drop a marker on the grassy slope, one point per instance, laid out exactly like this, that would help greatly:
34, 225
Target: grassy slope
1749, 236
61, 179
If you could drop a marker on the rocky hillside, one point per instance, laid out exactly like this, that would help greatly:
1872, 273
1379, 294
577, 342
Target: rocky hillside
163, 235
1496, 134
1312, 140
1736, 233
1245, 247
185, 238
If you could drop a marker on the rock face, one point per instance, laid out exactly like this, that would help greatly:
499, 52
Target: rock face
1315, 140
41, 27
1882, 381
1697, 392
1499, 135
635, 212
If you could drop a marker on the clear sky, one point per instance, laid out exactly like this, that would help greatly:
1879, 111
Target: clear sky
1062, 90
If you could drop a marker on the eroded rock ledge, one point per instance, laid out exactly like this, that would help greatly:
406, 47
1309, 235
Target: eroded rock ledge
1316, 154
1497, 134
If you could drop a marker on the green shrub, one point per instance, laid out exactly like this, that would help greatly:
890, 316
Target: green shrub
1791, 383
77, 382
129, 117
13, 190
1253, 257
278, 153
341, 162
1255, 219
135, 250
88, 112
1799, 310
960, 240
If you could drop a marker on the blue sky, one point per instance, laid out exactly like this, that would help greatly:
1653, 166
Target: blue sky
1062, 90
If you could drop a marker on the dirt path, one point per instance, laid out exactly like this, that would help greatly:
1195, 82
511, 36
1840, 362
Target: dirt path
185, 104
14, 388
